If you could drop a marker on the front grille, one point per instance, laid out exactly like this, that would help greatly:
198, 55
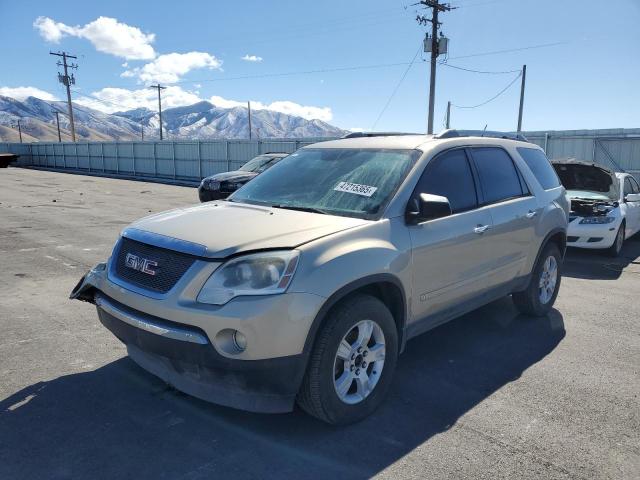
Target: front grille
169, 266
572, 239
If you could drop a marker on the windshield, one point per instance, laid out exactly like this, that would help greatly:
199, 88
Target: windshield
348, 182
259, 164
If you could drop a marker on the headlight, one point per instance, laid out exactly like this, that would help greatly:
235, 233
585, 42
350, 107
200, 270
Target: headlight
264, 273
597, 220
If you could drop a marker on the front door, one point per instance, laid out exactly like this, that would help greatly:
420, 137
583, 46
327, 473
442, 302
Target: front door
450, 253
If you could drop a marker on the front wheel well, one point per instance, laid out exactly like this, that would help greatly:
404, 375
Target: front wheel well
387, 291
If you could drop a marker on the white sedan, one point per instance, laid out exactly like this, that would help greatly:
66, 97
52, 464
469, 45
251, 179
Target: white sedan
605, 205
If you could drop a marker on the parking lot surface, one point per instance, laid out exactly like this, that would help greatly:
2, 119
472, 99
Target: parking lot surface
489, 395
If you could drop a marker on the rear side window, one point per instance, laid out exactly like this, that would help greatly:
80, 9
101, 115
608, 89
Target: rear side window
449, 175
498, 175
539, 164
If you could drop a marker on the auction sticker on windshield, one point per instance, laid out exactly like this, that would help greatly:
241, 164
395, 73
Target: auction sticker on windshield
364, 190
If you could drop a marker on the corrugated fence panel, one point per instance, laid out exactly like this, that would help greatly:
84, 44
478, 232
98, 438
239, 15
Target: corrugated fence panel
193, 160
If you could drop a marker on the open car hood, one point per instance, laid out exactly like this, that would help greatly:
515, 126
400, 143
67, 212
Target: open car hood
219, 229
587, 180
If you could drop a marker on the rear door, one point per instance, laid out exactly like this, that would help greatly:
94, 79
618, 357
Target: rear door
450, 253
514, 212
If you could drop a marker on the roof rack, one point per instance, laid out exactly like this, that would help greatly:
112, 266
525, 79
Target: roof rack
378, 134
451, 133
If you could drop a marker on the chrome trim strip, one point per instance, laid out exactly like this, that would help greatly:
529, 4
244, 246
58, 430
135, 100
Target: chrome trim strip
148, 326
163, 241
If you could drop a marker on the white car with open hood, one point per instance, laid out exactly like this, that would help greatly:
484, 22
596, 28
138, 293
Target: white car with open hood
605, 205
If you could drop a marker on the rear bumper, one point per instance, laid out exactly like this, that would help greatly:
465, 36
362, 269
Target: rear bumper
196, 368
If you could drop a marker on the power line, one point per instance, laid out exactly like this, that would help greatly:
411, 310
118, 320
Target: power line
395, 90
510, 50
492, 98
478, 71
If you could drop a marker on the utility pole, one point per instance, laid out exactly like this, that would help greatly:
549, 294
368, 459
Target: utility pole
524, 79
67, 80
249, 108
448, 114
435, 46
142, 130
159, 87
58, 124
19, 131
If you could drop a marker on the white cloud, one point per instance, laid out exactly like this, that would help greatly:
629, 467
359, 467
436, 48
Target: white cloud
20, 93
105, 33
170, 67
111, 100
251, 58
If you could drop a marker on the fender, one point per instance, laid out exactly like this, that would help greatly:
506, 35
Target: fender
546, 240
345, 290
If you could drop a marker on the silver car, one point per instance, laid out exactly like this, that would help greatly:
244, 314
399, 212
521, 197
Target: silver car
305, 285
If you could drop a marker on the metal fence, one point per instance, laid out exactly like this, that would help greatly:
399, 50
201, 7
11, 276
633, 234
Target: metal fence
193, 160
182, 160
618, 149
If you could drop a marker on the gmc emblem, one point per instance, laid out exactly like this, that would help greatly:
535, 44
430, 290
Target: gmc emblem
140, 264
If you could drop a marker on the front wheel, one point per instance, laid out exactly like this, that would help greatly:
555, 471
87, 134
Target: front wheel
352, 363
540, 295
615, 249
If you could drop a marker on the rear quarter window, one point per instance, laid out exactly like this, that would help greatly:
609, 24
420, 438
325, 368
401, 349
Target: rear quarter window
540, 166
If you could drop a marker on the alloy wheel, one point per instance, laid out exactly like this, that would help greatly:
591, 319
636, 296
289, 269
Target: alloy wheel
548, 279
359, 362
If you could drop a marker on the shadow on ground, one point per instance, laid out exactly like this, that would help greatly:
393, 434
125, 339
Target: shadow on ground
118, 421
596, 265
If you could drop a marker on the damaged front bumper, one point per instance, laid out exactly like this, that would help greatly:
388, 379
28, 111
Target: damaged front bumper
184, 356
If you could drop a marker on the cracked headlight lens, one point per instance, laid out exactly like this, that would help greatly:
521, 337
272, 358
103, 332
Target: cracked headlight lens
265, 273
597, 220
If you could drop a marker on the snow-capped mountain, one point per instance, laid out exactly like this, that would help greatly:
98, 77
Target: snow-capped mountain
200, 121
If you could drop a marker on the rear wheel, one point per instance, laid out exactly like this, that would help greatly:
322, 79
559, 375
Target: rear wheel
540, 295
352, 363
615, 249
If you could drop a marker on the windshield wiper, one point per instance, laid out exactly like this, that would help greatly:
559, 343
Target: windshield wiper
300, 209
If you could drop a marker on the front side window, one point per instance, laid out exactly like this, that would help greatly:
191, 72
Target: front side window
540, 166
450, 176
628, 187
498, 176
636, 188
338, 181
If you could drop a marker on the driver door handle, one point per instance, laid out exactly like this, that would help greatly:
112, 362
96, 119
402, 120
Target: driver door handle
481, 228
531, 214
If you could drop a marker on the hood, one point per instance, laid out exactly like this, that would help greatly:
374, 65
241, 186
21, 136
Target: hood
220, 229
234, 176
587, 180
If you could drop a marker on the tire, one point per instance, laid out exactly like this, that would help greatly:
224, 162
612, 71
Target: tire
615, 249
318, 394
533, 301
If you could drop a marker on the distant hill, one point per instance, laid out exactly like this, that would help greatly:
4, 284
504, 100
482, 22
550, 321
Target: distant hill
200, 121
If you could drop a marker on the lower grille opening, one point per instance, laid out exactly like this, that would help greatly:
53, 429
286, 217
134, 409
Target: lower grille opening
572, 239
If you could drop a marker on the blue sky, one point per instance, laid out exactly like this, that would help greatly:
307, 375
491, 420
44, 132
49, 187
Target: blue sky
588, 78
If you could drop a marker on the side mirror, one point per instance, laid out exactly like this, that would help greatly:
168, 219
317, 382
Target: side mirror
427, 207
632, 197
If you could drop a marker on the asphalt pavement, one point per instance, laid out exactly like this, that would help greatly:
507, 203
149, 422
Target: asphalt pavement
489, 395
